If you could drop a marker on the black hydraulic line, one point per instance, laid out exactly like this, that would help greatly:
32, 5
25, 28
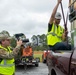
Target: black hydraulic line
65, 23
66, 19
66, 28
63, 13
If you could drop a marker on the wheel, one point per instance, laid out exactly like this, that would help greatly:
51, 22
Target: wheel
36, 65
37, 59
53, 72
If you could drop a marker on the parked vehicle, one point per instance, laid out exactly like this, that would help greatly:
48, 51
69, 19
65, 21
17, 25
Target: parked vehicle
44, 55
62, 63
26, 56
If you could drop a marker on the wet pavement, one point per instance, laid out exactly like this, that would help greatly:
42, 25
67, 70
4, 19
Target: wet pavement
32, 70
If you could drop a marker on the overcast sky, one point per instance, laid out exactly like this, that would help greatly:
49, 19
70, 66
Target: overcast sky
27, 16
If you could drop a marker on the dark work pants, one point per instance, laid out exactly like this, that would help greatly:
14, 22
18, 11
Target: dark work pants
60, 46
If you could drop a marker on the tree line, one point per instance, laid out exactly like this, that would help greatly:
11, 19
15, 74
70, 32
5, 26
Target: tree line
39, 42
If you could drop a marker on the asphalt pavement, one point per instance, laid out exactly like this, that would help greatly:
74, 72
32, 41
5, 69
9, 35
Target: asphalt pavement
32, 70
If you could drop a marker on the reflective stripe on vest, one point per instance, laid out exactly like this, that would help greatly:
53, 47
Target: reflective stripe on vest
54, 35
6, 65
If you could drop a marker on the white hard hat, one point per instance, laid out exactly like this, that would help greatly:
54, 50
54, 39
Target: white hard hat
58, 15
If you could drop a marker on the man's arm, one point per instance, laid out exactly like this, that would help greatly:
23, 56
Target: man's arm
5, 55
10, 55
54, 12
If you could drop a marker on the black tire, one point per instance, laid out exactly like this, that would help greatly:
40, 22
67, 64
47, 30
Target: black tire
36, 65
44, 61
53, 72
37, 59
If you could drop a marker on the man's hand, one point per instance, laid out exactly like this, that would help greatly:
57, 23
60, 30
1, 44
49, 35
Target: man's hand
65, 32
17, 48
19, 43
59, 1
64, 35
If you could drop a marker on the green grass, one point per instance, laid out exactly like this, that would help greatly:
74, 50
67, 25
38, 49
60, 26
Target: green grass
37, 54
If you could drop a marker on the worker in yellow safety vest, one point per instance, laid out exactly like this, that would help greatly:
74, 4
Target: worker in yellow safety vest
56, 33
7, 66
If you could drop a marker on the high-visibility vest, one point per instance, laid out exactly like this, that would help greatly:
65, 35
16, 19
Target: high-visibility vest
55, 35
7, 66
